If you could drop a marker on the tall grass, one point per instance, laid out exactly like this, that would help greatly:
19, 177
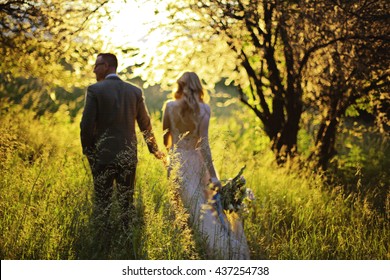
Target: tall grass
46, 200
44, 185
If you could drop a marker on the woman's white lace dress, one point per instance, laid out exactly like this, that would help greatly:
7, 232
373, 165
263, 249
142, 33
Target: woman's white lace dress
224, 234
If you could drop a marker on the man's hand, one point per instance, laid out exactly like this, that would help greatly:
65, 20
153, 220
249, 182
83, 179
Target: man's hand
159, 155
162, 156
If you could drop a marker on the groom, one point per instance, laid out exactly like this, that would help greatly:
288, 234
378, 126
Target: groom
108, 138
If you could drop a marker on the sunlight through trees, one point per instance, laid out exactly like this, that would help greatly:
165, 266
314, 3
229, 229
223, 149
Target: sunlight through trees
289, 60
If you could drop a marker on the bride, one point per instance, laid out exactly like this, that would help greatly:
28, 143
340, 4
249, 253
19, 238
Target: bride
186, 123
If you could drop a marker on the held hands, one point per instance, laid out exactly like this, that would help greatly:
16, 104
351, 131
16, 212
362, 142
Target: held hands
161, 155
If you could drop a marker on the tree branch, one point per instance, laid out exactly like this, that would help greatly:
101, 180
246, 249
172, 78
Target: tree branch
313, 49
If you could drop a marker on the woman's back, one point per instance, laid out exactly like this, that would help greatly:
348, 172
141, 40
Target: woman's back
185, 126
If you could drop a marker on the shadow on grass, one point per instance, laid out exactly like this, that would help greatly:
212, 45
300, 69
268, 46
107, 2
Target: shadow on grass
112, 242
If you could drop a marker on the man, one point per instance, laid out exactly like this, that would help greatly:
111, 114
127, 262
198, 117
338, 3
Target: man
108, 136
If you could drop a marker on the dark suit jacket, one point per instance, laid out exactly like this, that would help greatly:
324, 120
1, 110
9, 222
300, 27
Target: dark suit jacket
111, 109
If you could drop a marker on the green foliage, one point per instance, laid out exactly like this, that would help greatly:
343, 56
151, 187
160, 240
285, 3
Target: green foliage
33, 95
51, 41
319, 58
55, 43
46, 200
361, 166
296, 214
45, 193
296, 219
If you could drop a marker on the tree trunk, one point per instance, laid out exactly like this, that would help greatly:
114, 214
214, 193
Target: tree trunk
325, 143
284, 143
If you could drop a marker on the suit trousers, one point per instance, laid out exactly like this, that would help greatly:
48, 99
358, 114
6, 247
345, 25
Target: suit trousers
104, 177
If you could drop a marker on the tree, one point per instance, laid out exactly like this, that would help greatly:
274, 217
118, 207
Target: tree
285, 57
353, 69
49, 40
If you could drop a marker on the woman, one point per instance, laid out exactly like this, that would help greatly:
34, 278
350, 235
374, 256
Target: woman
185, 123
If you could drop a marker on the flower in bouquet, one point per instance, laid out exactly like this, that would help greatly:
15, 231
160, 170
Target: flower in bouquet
232, 195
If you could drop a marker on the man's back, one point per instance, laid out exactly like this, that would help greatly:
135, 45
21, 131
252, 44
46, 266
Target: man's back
109, 141
108, 125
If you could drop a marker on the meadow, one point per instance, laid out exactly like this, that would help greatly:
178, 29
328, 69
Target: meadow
46, 199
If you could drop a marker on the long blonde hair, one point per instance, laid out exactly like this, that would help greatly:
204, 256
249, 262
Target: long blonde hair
190, 90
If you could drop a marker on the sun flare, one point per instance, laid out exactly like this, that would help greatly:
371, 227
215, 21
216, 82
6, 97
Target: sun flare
129, 26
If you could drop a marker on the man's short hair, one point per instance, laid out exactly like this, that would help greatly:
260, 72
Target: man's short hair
110, 59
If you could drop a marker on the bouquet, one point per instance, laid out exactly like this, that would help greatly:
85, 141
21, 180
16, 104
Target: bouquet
231, 196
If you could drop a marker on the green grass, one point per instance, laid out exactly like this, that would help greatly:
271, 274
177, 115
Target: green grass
46, 200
